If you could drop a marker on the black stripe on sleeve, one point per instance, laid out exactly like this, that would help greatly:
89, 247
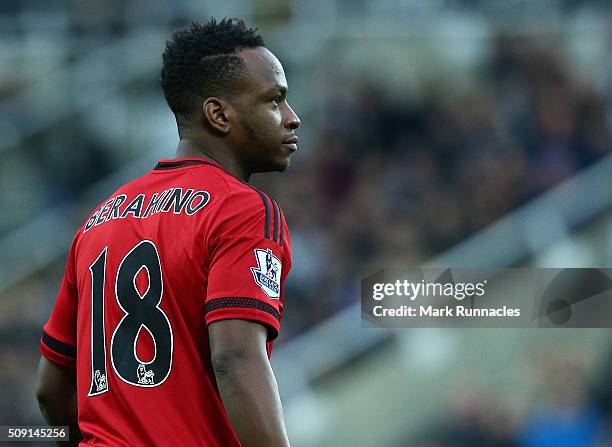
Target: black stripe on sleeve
241, 303
282, 226
58, 346
276, 219
267, 208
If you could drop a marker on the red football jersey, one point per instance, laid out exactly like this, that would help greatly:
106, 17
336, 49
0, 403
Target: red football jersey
167, 254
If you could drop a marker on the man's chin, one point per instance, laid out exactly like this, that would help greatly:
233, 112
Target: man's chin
284, 166
273, 167
280, 164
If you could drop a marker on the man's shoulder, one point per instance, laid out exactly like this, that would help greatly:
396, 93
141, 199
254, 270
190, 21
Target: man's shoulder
248, 210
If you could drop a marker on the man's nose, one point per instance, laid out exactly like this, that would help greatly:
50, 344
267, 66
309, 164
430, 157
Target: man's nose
292, 121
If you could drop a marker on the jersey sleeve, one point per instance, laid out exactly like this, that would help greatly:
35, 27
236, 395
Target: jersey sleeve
249, 262
58, 342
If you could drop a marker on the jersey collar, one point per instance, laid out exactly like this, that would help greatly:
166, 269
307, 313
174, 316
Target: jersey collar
183, 162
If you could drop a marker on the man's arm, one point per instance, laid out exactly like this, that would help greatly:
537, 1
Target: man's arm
246, 382
57, 398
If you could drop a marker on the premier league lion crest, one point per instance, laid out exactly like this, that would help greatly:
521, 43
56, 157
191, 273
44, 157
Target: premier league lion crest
267, 274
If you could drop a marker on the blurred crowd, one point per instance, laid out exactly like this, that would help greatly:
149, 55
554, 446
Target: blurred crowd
393, 185
568, 407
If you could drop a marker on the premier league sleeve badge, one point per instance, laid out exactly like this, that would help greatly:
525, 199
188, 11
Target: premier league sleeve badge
267, 274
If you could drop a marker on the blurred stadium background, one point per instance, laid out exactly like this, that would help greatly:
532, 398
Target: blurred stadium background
463, 133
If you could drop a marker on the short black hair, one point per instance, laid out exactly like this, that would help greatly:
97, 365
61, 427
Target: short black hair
200, 61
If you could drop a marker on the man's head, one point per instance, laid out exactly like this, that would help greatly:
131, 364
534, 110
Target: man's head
226, 88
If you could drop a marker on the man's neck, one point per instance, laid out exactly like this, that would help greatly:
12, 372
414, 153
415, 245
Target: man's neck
189, 148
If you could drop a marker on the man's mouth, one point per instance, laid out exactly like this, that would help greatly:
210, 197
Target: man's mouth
291, 143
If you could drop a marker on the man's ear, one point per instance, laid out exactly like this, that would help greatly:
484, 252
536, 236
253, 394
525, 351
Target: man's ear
216, 114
